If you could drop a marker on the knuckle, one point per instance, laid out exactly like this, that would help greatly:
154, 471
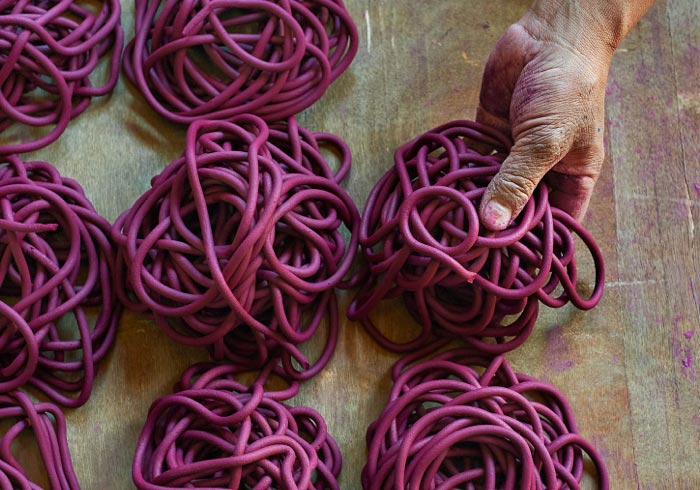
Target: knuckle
587, 183
545, 143
516, 187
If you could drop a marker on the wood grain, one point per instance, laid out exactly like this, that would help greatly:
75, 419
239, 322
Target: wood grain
624, 366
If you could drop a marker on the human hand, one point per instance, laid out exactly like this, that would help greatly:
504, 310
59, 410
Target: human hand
544, 84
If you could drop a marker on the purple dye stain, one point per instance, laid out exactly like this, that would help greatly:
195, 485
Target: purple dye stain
644, 73
682, 352
557, 350
696, 187
613, 89
616, 360
688, 359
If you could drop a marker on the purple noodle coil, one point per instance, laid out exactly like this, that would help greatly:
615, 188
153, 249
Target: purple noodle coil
217, 433
48, 426
461, 419
214, 59
59, 313
48, 51
422, 239
238, 244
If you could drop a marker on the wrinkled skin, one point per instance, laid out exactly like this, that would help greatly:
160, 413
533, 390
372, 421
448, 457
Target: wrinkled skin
544, 84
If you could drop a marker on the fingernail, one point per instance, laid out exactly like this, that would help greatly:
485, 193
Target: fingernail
496, 216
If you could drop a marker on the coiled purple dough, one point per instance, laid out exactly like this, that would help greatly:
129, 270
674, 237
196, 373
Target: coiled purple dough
48, 51
48, 426
239, 244
56, 266
217, 433
214, 59
461, 419
422, 239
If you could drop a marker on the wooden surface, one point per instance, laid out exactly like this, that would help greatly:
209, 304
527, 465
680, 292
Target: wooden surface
628, 368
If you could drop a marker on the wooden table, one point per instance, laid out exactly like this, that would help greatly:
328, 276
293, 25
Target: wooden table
628, 367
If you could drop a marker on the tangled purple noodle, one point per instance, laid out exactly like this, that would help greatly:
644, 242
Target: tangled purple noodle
239, 243
214, 59
215, 432
48, 426
465, 420
422, 239
56, 267
48, 51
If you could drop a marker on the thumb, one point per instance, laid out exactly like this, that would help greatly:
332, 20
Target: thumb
513, 185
